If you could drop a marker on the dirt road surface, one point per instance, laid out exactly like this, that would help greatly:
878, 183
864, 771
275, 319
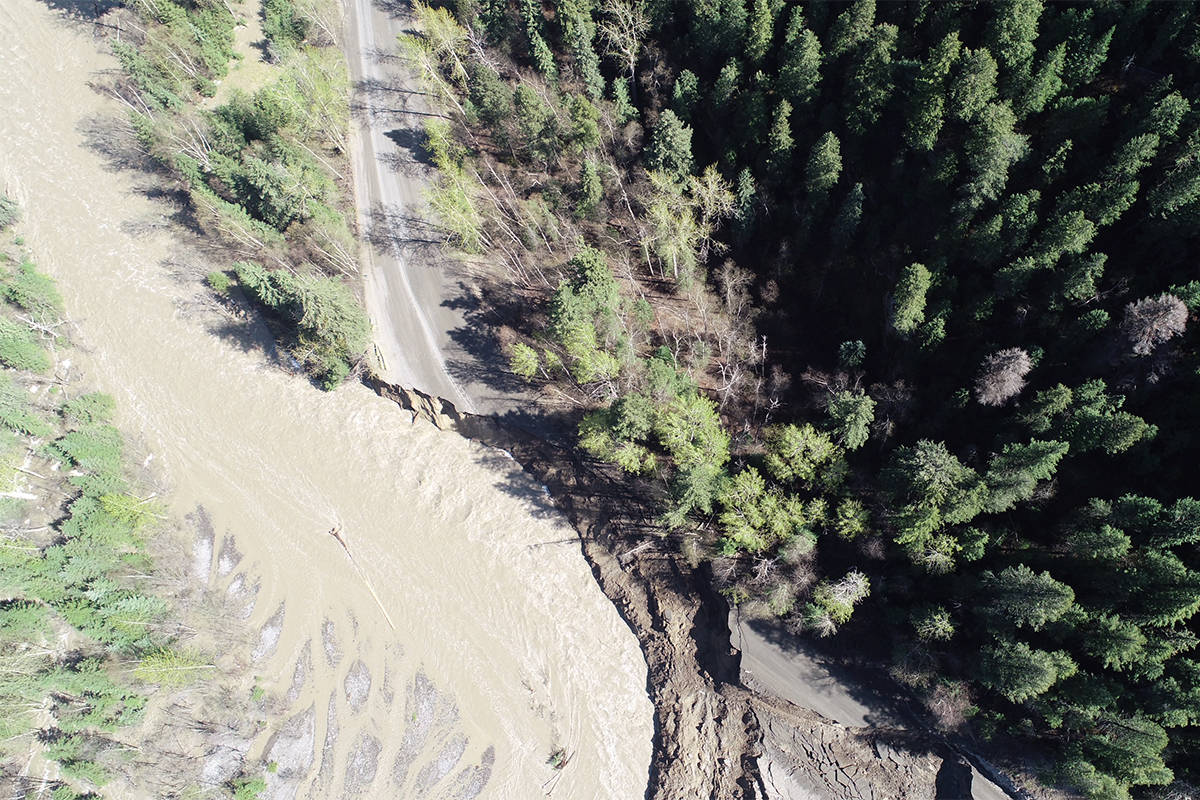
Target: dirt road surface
783, 666
421, 302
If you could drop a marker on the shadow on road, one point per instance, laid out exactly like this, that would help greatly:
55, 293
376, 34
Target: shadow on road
392, 231
835, 667
413, 158
953, 780
395, 8
485, 363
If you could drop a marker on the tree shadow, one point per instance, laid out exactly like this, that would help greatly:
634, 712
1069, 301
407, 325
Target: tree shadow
514, 482
413, 141
373, 97
395, 8
710, 629
244, 335
379, 88
485, 363
402, 165
953, 780
83, 10
263, 46
544, 440
113, 139
394, 232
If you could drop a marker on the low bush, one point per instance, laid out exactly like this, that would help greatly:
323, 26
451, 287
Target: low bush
218, 281
19, 348
89, 408
16, 414
10, 212
34, 292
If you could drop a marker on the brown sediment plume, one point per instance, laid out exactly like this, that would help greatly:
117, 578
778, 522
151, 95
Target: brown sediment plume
453, 541
706, 737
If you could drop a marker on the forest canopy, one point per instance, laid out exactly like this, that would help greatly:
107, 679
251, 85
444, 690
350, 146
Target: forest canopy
968, 231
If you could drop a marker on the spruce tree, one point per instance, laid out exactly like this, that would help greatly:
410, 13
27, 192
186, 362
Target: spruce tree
974, 84
870, 79
824, 166
760, 31
852, 27
670, 147
800, 74
909, 298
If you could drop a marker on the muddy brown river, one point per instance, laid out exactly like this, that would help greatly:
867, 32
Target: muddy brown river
503, 647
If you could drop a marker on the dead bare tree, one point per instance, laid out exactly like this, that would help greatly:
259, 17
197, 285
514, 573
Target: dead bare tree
624, 29
1153, 320
1002, 376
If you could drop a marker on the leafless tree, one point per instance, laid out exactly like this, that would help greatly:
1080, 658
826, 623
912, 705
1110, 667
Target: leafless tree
725, 571
624, 30
1002, 376
765, 571
949, 703
1153, 320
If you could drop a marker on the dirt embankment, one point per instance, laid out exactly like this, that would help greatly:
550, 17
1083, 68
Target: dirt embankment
713, 735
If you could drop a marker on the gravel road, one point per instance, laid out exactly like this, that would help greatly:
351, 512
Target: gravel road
420, 302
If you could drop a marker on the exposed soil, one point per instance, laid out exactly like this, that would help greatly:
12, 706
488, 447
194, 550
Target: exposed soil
714, 736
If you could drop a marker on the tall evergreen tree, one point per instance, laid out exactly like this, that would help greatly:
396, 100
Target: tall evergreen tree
1010, 35
760, 31
870, 80
800, 73
852, 27
824, 166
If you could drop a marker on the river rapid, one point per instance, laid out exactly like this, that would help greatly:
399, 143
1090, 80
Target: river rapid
503, 646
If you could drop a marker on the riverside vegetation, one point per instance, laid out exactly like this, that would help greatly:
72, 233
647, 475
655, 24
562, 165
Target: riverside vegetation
889, 306
89, 626
264, 172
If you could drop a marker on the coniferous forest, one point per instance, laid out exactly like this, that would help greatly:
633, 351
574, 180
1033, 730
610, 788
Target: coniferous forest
893, 306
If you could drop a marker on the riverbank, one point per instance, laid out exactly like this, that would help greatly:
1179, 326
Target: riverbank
273, 459
719, 732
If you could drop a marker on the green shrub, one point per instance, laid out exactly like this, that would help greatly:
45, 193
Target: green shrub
590, 192
248, 788
23, 620
65, 792
283, 25
15, 412
90, 408
132, 511
218, 281
34, 292
333, 330
19, 349
524, 361
95, 448
10, 212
